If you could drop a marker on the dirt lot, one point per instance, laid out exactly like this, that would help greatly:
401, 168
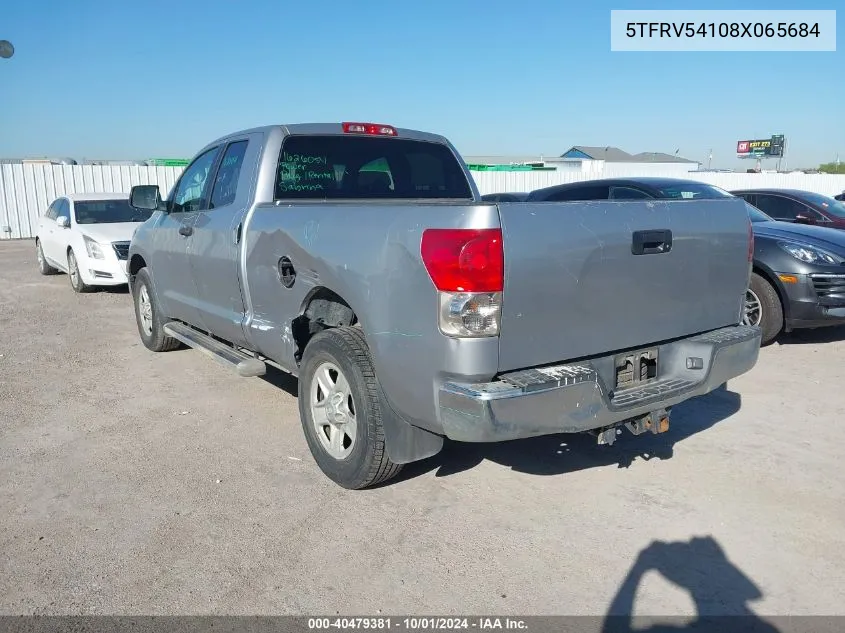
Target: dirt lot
142, 483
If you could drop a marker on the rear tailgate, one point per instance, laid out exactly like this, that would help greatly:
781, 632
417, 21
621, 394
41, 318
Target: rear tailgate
574, 288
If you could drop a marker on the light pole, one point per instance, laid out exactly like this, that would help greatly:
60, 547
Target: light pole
6, 49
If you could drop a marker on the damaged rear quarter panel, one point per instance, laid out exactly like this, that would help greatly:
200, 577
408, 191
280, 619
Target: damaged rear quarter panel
369, 254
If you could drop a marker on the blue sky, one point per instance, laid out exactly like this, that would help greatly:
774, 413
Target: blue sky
106, 79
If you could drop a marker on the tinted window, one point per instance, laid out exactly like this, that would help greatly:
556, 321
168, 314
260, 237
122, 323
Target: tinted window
63, 209
107, 212
627, 193
779, 207
354, 167
226, 182
692, 191
830, 205
503, 197
750, 198
587, 192
756, 215
189, 193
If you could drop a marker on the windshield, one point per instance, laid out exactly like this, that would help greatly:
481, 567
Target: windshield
756, 215
693, 191
107, 212
831, 206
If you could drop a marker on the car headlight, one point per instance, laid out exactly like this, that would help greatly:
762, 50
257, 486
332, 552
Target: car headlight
808, 254
93, 248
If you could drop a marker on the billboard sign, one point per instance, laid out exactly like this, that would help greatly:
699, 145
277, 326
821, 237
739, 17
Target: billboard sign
761, 148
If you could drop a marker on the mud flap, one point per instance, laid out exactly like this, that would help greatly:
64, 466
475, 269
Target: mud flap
404, 442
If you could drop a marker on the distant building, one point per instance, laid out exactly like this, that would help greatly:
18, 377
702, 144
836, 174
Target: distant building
595, 161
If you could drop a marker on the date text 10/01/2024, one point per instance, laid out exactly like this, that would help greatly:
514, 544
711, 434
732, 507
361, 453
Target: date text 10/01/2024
417, 623
722, 29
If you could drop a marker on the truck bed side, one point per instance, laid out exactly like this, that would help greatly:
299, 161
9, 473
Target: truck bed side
368, 254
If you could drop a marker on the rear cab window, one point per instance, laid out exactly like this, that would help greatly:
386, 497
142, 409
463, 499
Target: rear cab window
343, 167
575, 194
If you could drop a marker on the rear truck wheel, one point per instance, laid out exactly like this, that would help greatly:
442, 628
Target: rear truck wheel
340, 406
763, 308
43, 267
149, 317
75, 276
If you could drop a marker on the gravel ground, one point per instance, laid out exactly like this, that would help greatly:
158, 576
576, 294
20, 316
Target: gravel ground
141, 483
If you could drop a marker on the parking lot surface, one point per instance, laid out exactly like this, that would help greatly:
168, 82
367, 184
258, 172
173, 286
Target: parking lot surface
141, 483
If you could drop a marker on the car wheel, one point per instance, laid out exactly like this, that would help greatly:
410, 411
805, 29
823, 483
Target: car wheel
763, 308
43, 267
75, 276
148, 315
340, 407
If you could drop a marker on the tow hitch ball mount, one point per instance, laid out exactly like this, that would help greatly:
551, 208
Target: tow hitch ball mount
655, 422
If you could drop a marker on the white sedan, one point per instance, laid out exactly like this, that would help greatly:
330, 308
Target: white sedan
87, 236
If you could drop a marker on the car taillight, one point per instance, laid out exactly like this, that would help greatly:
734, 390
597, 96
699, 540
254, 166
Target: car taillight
375, 129
467, 268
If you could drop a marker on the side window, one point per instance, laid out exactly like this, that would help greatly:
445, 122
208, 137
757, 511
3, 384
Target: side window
778, 207
627, 193
226, 182
63, 209
750, 198
189, 193
581, 193
809, 212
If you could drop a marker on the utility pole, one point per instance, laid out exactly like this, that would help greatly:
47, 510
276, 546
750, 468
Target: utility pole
710, 159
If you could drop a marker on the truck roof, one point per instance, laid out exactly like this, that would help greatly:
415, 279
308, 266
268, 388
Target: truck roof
324, 129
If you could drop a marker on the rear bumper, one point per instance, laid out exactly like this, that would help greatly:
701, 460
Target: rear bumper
574, 398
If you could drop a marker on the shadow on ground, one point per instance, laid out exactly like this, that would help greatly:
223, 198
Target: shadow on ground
561, 454
814, 336
281, 380
720, 590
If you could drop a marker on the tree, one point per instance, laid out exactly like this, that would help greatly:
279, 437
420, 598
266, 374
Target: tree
832, 168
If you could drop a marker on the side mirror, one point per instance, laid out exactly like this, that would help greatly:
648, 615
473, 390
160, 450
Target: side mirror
63, 221
146, 198
804, 219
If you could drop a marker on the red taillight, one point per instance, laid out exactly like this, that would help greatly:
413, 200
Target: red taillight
750, 242
464, 260
376, 129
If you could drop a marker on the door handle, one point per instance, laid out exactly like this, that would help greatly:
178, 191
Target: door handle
237, 232
651, 242
186, 230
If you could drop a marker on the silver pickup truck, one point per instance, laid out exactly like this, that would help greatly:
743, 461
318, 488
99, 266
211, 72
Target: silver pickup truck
361, 259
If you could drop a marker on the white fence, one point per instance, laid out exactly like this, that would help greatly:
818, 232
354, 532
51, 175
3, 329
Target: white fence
503, 181
27, 190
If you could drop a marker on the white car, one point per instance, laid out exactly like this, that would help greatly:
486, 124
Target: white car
87, 236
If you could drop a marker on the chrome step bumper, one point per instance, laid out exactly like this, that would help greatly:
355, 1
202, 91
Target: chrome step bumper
573, 398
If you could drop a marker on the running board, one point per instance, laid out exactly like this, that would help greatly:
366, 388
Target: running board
245, 365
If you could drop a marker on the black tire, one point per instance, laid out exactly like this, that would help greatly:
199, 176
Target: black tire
367, 463
43, 267
771, 319
76, 279
153, 337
